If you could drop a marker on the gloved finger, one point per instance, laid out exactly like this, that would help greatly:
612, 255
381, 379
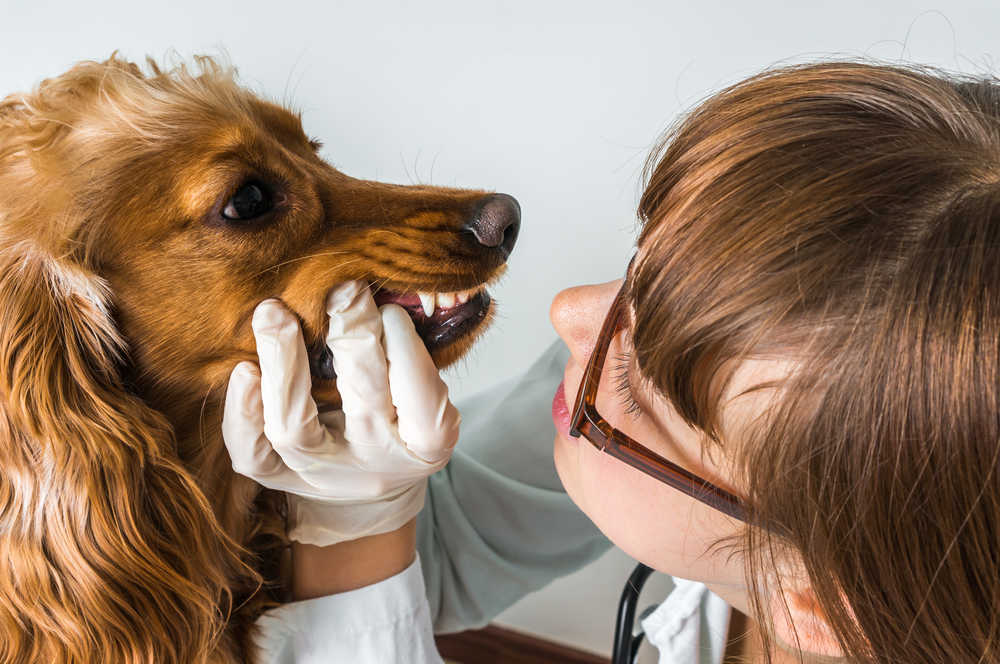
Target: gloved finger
243, 425
355, 341
427, 421
291, 419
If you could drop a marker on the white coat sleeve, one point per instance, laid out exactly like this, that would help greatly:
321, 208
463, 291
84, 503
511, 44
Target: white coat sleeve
690, 626
385, 623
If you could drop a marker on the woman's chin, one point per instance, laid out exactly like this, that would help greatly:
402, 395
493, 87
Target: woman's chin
561, 452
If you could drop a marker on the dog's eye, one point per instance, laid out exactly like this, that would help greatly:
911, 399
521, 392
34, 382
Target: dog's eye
249, 202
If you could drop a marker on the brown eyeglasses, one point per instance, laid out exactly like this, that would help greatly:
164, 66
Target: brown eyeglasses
591, 425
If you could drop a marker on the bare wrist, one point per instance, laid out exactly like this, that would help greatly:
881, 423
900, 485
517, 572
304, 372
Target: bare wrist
326, 570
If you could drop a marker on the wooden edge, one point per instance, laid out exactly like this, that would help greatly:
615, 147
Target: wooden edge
499, 645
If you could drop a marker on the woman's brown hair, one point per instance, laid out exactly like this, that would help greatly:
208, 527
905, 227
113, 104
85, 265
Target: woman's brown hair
846, 216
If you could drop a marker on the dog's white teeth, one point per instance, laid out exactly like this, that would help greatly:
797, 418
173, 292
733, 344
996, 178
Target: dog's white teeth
428, 301
446, 300
432, 301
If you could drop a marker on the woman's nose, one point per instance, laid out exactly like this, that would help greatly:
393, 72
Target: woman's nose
577, 314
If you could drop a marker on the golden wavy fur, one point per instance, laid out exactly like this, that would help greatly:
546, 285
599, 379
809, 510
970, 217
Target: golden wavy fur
125, 299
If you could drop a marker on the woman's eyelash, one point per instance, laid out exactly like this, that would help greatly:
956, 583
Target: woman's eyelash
622, 385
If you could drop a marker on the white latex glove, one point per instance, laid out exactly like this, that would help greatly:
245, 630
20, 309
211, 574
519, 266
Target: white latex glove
351, 473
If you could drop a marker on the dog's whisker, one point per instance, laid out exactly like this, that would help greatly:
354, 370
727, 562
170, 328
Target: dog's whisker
416, 166
406, 169
392, 277
303, 258
433, 161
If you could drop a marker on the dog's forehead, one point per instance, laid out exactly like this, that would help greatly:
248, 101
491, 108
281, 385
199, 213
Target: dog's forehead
257, 136
229, 130
228, 151
279, 120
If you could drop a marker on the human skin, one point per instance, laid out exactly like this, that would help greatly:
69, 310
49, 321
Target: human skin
652, 522
338, 568
649, 520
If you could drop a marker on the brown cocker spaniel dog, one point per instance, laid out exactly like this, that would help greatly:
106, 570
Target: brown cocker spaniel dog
143, 215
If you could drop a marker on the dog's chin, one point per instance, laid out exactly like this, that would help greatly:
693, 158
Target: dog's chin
448, 334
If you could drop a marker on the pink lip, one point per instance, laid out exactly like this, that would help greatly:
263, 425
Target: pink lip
560, 412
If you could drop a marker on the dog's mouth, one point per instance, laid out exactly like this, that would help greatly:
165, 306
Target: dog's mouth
440, 319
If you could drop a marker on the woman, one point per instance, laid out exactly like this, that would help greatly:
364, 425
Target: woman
811, 330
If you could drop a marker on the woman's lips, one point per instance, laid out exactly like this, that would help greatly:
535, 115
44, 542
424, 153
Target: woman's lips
560, 412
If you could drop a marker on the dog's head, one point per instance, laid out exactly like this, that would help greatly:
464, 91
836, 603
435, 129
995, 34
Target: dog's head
184, 200
143, 216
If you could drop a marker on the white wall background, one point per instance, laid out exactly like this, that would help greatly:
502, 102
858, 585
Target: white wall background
555, 102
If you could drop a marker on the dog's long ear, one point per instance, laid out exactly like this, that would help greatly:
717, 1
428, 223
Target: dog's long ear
110, 551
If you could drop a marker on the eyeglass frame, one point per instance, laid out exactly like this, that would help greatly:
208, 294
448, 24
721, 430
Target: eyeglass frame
593, 426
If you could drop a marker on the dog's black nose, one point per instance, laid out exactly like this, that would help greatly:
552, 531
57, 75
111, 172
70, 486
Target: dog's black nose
496, 221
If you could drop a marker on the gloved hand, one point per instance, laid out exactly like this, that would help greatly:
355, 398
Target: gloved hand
352, 472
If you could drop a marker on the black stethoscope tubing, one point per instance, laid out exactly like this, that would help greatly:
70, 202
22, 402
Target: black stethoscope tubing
626, 643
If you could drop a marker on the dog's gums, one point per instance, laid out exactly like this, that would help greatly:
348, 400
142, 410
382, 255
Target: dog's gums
447, 323
454, 317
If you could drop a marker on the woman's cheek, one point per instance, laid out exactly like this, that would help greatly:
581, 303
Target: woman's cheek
593, 480
578, 466
633, 510
564, 454
648, 520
